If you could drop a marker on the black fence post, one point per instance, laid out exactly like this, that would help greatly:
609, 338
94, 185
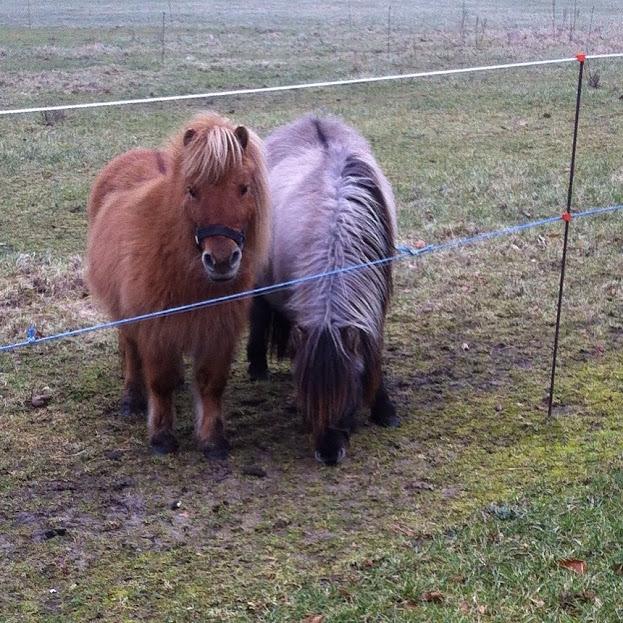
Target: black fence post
567, 219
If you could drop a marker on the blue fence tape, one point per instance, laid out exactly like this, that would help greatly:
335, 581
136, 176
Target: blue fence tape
403, 252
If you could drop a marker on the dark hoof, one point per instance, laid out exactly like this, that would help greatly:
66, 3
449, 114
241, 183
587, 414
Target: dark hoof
258, 373
385, 416
216, 450
132, 404
332, 448
164, 442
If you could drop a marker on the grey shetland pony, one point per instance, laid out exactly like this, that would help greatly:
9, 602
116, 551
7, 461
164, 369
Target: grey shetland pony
333, 207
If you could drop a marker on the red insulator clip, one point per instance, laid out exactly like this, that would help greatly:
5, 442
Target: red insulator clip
581, 56
566, 217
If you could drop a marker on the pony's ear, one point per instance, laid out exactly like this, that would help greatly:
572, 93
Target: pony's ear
188, 136
242, 134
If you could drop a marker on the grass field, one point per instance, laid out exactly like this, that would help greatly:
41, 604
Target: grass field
464, 513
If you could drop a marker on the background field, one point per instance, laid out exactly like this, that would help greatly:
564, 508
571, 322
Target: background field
476, 497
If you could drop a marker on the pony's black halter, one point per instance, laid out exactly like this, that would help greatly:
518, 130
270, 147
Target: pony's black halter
219, 230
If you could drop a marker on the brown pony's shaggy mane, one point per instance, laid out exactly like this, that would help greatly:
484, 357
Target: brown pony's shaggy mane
211, 154
207, 150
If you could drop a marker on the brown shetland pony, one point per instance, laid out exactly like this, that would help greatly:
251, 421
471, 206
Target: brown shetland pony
174, 226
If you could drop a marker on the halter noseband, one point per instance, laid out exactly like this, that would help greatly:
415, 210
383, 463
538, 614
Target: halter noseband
219, 230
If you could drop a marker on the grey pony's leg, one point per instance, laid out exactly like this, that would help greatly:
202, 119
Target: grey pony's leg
257, 346
382, 410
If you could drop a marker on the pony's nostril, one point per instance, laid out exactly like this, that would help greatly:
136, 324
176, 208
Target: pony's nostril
235, 257
208, 260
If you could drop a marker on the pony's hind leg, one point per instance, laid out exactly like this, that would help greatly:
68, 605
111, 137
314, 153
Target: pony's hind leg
133, 399
161, 371
257, 346
382, 409
211, 374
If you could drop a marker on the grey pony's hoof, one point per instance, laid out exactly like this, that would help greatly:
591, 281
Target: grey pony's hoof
164, 443
258, 373
392, 421
386, 416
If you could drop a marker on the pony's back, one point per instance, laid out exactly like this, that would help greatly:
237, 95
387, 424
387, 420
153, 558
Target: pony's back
332, 207
125, 172
311, 132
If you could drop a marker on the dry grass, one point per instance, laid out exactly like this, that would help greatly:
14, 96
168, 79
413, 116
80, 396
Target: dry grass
46, 292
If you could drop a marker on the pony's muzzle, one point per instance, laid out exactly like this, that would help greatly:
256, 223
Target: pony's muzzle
221, 268
331, 447
331, 461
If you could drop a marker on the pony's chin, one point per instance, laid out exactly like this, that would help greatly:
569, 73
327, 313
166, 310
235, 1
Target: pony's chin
217, 278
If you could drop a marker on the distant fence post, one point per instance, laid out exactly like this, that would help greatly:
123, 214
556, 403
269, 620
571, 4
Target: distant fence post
163, 27
389, 32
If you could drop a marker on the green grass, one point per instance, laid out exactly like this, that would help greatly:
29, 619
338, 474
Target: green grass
503, 565
401, 518
407, 512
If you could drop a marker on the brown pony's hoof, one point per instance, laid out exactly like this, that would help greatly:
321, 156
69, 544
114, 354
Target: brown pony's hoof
130, 407
133, 403
385, 416
216, 450
164, 442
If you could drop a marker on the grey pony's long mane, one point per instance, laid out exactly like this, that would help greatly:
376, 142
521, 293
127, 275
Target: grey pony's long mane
333, 208
354, 208
360, 233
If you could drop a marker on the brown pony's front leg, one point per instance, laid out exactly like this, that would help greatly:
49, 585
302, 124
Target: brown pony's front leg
133, 400
161, 371
211, 374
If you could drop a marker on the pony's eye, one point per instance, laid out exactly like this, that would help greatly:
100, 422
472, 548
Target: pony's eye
243, 189
192, 192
